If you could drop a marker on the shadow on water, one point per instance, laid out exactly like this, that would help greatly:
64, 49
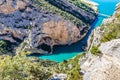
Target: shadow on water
75, 47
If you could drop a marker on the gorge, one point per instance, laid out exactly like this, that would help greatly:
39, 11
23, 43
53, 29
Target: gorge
67, 52
32, 27
59, 40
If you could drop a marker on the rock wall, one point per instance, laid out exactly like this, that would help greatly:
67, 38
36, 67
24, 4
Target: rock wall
79, 13
106, 67
20, 21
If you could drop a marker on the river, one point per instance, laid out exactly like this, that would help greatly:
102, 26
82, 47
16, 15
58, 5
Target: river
61, 53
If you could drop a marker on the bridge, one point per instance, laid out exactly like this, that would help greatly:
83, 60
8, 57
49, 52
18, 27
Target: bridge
104, 15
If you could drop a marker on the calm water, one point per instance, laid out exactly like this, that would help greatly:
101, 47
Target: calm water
65, 52
105, 7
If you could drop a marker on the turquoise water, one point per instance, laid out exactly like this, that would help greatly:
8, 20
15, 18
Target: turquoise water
105, 7
61, 53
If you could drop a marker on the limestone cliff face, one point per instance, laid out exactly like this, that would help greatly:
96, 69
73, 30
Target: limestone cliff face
107, 66
79, 13
21, 22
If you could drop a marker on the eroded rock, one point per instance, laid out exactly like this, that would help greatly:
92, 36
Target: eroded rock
20, 20
106, 67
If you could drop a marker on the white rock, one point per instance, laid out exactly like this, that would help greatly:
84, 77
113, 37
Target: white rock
106, 67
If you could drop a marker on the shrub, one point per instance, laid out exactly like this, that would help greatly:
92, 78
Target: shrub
95, 51
22, 68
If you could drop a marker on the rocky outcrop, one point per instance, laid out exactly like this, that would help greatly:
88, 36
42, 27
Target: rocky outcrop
53, 32
106, 67
111, 48
20, 21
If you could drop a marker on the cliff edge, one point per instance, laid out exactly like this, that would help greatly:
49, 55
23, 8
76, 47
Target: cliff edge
103, 61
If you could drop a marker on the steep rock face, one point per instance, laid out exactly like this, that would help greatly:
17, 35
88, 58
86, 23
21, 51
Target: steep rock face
79, 13
20, 20
107, 66
8, 6
54, 32
12, 35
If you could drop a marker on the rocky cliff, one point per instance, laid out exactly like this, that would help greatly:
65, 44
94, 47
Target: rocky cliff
77, 12
106, 38
39, 30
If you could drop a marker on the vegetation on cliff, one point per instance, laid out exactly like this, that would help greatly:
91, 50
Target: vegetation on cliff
112, 31
52, 9
46, 6
71, 67
81, 5
95, 51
